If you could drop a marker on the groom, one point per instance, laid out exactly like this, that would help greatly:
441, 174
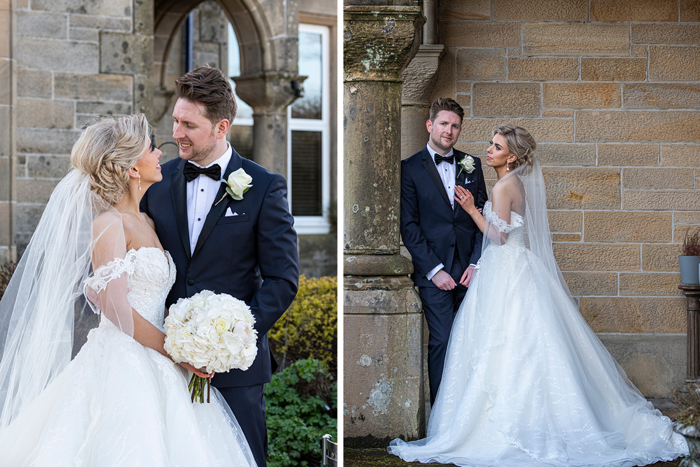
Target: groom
246, 248
444, 242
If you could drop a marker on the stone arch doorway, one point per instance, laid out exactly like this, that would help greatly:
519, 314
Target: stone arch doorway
267, 33
250, 24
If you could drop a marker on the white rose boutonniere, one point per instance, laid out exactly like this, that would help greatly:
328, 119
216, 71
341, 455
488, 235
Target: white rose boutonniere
466, 164
237, 185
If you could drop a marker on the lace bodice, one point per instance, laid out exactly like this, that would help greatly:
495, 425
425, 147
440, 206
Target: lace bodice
514, 230
150, 275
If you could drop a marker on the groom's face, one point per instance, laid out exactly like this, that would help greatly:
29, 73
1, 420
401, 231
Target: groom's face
194, 133
444, 131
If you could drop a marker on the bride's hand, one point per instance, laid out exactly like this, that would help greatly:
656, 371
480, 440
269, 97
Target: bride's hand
196, 371
465, 199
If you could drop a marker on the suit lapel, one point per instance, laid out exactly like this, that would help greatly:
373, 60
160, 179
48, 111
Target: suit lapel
217, 210
461, 174
429, 166
178, 190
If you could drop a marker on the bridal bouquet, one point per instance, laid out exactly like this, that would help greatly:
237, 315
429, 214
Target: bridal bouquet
211, 331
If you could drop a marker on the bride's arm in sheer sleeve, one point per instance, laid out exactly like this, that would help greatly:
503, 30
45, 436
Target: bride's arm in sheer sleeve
107, 287
495, 228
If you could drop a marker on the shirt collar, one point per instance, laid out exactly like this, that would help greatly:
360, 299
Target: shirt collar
221, 161
432, 153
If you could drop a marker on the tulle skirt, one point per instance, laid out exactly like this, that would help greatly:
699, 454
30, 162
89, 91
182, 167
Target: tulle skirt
119, 403
527, 383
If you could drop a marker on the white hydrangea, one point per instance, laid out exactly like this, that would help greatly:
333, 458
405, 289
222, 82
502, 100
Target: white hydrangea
212, 331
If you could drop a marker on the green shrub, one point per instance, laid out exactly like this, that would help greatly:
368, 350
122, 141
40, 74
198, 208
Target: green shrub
301, 404
309, 328
6, 271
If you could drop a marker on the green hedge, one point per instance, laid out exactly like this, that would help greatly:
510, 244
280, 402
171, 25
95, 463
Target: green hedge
6, 271
301, 404
309, 328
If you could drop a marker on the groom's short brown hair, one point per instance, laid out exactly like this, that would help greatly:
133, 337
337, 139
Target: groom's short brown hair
445, 103
210, 87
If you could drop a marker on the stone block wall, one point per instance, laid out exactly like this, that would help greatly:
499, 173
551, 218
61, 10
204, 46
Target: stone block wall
6, 134
611, 92
71, 61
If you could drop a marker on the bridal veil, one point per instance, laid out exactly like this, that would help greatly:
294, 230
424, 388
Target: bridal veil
78, 231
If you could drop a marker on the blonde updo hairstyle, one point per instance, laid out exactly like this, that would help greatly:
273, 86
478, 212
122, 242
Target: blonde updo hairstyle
106, 151
520, 143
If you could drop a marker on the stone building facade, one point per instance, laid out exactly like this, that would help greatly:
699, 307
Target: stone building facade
67, 62
611, 92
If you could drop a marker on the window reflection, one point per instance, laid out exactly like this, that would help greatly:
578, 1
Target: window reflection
310, 65
234, 69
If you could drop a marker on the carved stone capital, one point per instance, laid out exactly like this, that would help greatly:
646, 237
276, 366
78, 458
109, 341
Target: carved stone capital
267, 93
420, 74
379, 41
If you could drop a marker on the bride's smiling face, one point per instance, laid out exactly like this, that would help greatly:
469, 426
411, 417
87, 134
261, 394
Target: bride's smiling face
149, 164
498, 155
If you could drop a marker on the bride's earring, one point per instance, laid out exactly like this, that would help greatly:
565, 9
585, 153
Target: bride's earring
139, 182
507, 166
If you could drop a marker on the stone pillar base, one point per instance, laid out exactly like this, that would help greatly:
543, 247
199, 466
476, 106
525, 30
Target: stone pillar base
383, 392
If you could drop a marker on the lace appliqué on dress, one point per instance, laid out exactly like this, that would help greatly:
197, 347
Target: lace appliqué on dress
109, 272
502, 226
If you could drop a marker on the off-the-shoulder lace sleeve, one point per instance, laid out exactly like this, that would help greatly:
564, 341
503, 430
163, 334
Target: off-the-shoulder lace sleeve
502, 226
113, 270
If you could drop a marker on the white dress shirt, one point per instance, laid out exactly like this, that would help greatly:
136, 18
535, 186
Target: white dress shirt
447, 175
201, 194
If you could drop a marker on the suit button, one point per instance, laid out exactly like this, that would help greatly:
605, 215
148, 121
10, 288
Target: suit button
190, 282
452, 244
455, 224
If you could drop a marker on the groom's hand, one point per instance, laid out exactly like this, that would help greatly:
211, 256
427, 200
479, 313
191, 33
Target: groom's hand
443, 281
467, 276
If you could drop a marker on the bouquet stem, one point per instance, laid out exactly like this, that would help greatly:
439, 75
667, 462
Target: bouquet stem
196, 388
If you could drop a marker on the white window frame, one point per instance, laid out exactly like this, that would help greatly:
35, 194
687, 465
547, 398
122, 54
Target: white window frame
315, 224
241, 121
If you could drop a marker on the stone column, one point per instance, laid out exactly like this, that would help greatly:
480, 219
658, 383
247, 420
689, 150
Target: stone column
269, 94
418, 78
382, 316
692, 293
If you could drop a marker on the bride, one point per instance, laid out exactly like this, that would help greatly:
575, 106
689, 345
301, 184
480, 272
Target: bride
526, 382
122, 401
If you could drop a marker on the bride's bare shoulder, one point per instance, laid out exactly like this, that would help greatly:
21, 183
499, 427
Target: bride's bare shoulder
148, 220
106, 219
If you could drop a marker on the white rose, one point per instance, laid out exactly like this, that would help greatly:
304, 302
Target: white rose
467, 164
239, 183
222, 324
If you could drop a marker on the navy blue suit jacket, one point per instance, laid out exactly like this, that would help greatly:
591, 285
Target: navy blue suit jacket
252, 256
430, 227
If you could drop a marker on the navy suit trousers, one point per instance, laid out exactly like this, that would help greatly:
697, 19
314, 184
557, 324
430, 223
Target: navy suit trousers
440, 308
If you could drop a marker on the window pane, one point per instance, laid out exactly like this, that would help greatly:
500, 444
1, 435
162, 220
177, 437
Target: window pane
234, 69
310, 65
306, 173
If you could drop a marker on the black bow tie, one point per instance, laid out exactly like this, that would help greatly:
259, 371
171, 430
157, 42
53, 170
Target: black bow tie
191, 172
439, 158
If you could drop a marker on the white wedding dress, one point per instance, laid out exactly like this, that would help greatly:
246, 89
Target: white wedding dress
119, 403
526, 382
